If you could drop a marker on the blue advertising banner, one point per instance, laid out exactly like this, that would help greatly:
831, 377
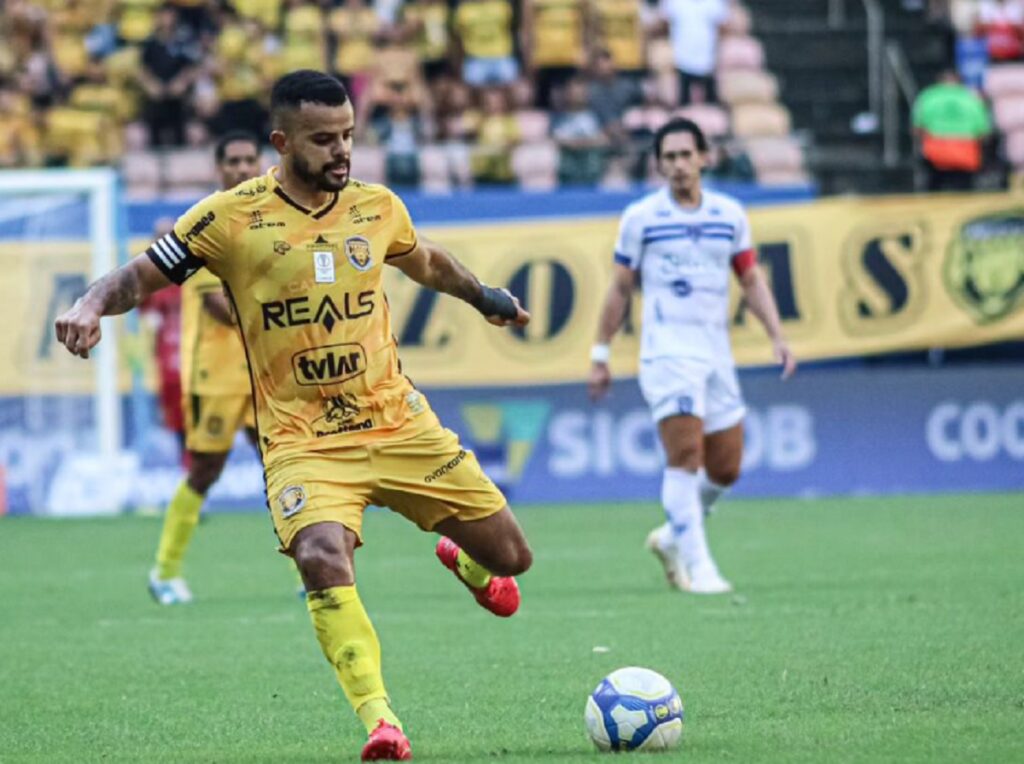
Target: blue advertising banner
828, 431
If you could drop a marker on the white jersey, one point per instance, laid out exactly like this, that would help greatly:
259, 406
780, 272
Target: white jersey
685, 258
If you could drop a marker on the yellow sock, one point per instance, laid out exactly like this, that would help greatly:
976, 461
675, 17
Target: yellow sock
350, 645
472, 572
179, 521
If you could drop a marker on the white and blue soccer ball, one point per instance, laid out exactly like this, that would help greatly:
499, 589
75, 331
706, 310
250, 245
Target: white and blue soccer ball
634, 709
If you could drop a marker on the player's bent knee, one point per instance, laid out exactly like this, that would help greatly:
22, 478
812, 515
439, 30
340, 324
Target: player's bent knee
685, 457
321, 560
724, 476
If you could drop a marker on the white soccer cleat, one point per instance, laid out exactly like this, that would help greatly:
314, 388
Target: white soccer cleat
659, 544
173, 591
705, 579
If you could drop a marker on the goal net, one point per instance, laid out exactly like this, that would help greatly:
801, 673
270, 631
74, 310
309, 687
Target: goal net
60, 416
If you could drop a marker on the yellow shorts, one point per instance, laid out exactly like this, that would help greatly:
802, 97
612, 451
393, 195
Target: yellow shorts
211, 421
426, 478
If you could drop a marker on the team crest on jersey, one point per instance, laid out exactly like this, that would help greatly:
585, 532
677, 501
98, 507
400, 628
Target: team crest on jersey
357, 250
984, 271
291, 500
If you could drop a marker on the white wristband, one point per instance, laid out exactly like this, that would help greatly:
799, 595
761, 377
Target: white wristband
600, 353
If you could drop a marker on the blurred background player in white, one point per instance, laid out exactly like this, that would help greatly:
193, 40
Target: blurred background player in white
679, 244
215, 391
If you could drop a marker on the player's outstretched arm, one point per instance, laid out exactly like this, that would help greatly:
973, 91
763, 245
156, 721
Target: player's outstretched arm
616, 303
761, 302
434, 267
78, 329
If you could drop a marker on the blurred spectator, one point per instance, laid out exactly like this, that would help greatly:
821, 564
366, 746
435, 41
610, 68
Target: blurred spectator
38, 74
483, 30
304, 45
498, 134
553, 43
729, 162
611, 94
619, 30
400, 132
458, 123
395, 80
951, 122
582, 142
239, 68
694, 29
21, 145
1001, 22
169, 67
354, 26
426, 24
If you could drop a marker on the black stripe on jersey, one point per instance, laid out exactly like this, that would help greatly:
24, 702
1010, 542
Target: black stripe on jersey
403, 254
173, 258
305, 211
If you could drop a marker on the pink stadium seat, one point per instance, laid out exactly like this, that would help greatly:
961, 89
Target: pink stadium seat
736, 86
1009, 112
770, 155
760, 120
136, 137
738, 22
435, 177
368, 164
1004, 80
782, 178
141, 173
740, 53
1015, 149
645, 118
536, 165
534, 125
713, 120
189, 167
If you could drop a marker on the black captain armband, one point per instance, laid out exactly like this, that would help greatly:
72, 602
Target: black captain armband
173, 258
495, 302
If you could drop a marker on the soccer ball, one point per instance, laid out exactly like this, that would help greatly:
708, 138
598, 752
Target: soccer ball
634, 709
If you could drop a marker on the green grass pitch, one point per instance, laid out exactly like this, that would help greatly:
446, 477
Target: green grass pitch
866, 630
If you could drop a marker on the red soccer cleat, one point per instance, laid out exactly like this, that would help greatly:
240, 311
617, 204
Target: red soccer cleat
500, 596
387, 743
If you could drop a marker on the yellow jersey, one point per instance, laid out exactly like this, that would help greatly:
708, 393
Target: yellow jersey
485, 28
557, 33
620, 30
306, 287
212, 357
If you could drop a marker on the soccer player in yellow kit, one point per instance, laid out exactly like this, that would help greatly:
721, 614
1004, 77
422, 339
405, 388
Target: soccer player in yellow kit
301, 251
217, 401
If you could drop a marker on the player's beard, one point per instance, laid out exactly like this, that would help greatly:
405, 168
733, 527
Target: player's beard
322, 180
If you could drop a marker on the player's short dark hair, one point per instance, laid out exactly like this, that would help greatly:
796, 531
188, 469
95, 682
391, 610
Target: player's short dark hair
221, 148
680, 125
305, 86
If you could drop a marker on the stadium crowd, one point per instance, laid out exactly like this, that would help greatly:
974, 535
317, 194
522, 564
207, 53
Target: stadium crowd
457, 93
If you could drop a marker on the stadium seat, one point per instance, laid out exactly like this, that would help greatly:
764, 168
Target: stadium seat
136, 137
737, 52
1015, 149
713, 120
1009, 112
760, 119
536, 165
141, 173
644, 118
189, 167
1004, 80
435, 177
774, 154
368, 164
534, 125
783, 178
736, 86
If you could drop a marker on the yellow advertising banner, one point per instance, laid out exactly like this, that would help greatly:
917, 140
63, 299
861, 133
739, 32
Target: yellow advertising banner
851, 277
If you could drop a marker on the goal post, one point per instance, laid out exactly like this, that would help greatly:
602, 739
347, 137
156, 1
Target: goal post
59, 230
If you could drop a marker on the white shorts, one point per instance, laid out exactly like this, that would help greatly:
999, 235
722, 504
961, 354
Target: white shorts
706, 390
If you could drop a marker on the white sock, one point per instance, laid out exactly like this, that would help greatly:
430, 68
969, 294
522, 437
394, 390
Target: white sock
680, 495
709, 492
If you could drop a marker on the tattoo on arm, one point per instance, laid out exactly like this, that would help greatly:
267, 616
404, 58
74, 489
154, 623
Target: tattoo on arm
448, 275
117, 292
